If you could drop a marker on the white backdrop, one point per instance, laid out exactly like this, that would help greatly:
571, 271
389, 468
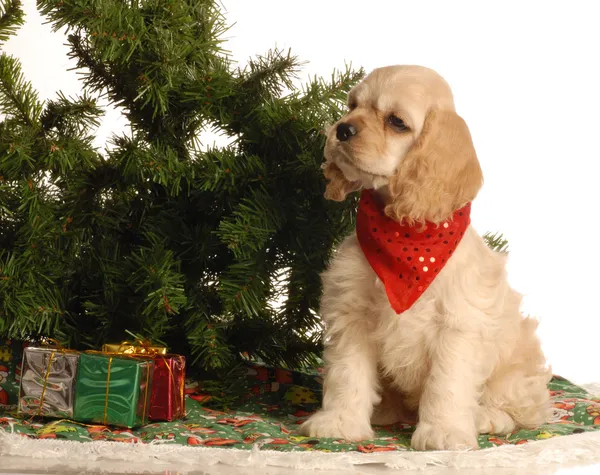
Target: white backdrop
525, 78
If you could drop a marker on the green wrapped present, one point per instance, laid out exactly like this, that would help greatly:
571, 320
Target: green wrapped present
113, 389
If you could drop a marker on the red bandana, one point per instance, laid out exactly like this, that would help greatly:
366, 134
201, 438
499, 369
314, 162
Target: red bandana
406, 258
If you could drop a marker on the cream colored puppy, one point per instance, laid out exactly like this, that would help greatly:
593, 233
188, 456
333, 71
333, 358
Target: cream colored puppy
417, 329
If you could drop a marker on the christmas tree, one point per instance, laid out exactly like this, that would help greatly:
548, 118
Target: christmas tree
215, 251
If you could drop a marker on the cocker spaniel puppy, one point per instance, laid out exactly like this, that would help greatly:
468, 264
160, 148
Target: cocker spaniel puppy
420, 319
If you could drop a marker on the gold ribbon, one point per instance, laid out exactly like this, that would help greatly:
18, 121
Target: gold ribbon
146, 393
107, 390
182, 386
45, 383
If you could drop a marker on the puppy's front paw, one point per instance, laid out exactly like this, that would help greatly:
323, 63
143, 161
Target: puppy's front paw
337, 424
490, 420
439, 437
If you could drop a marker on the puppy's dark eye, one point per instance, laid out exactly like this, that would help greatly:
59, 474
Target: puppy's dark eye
397, 123
352, 105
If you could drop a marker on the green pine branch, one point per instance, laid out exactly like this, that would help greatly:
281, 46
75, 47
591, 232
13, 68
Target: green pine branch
245, 287
209, 342
496, 242
64, 154
224, 171
99, 77
11, 18
17, 144
71, 116
251, 225
155, 276
271, 74
39, 307
331, 93
18, 100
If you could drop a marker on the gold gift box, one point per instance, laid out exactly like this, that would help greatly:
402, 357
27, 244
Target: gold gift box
132, 349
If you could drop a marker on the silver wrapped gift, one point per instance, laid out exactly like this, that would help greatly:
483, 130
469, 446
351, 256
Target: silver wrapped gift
48, 378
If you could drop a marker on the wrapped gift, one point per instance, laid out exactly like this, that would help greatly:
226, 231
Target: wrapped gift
167, 402
48, 377
137, 348
113, 389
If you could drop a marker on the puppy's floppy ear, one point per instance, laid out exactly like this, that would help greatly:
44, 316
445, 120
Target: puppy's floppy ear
440, 173
338, 186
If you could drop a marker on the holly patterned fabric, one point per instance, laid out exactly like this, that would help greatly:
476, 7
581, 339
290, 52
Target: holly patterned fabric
276, 403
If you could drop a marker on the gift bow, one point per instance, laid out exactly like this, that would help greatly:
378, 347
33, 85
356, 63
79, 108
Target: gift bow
136, 347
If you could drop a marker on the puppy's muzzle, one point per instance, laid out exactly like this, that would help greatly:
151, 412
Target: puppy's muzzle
344, 131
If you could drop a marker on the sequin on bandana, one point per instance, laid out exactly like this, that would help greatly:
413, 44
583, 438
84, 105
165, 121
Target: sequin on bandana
406, 258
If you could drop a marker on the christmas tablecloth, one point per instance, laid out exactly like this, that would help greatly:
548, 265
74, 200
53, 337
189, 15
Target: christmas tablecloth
276, 401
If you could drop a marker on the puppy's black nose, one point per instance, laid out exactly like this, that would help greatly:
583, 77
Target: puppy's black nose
345, 131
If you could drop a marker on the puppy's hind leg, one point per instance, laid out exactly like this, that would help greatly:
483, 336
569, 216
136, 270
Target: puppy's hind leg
517, 392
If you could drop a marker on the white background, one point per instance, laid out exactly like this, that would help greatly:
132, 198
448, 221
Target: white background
526, 79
